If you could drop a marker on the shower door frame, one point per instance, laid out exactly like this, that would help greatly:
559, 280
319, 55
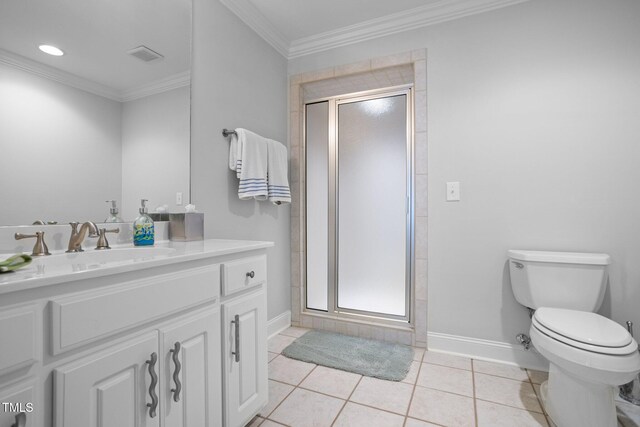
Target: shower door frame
333, 309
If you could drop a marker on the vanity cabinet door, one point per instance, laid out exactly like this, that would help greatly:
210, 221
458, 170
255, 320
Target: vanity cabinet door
245, 357
18, 403
192, 387
111, 388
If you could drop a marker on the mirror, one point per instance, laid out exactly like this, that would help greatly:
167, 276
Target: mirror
109, 119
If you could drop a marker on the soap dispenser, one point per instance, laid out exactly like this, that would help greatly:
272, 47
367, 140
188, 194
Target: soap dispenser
143, 233
113, 212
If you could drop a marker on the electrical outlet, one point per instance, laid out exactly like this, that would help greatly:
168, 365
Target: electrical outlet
179, 198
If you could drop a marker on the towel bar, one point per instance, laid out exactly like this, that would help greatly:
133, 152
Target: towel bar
226, 133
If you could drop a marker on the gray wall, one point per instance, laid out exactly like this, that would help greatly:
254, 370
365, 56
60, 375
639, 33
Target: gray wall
238, 80
534, 108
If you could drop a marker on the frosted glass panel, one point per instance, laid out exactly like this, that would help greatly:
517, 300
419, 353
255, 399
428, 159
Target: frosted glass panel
317, 130
372, 218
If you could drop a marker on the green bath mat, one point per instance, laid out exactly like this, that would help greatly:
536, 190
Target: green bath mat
363, 356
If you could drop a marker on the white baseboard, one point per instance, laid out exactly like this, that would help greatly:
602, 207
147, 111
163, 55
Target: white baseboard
495, 351
279, 323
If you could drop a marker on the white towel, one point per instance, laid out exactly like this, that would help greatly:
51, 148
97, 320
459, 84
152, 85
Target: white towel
277, 171
235, 161
251, 165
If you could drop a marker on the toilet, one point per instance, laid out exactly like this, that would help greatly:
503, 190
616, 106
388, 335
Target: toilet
589, 355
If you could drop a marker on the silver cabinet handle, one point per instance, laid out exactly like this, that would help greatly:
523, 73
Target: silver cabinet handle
176, 372
251, 274
21, 420
236, 322
153, 406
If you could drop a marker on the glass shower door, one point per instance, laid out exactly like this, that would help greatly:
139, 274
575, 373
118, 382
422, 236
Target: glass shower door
373, 205
317, 208
358, 204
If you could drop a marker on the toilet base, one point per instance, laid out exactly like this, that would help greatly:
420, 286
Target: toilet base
572, 402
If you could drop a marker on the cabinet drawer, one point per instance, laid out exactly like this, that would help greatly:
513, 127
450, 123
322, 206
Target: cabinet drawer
21, 338
243, 274
87, 317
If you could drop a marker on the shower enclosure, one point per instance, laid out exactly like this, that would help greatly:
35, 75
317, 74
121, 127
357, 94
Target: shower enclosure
359, 204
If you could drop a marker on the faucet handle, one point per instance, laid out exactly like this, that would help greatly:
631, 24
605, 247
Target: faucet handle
40, 248
103, 243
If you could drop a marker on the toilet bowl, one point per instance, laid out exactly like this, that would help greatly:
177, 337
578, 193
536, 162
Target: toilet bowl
589, 355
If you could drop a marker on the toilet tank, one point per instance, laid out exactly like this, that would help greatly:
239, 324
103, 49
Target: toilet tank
569, 280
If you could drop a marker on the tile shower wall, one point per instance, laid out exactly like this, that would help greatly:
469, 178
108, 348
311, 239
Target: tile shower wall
358, 77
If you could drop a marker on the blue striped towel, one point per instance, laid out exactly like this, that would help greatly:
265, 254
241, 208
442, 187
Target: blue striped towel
277, 171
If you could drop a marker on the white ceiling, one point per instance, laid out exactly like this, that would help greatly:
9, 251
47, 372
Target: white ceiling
96, 35
302, 27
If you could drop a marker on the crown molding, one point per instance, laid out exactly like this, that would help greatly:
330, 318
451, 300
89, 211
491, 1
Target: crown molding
159, 86
251, 16
47, 72
33, 67
434, 13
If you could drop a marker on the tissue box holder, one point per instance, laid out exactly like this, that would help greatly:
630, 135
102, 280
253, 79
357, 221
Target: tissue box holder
186, 227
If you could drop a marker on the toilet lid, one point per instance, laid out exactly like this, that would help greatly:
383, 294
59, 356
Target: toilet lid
583, 327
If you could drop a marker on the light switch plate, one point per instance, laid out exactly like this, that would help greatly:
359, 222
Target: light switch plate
453, 191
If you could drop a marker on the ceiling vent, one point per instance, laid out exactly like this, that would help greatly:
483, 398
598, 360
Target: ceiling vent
144, 54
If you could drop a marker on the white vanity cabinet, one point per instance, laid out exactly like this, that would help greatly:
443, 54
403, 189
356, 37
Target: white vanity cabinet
23, 396
148, 344
149, 380
110, 388
244, 312
191, 394
20, 356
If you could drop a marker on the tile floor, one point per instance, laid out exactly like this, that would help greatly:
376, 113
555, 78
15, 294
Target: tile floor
440, 390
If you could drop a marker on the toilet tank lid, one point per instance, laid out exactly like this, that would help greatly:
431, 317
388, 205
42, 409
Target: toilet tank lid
560, 257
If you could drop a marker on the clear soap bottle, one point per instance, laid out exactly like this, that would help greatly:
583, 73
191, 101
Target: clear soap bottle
113, 212
143, 232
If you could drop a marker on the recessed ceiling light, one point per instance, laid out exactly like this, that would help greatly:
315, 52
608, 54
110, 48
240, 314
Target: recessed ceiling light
51, 50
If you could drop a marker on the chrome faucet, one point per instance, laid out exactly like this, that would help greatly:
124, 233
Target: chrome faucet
40, 248
103, 243
77, 237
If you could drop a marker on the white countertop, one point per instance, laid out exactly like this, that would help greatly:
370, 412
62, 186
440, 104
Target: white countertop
61, 267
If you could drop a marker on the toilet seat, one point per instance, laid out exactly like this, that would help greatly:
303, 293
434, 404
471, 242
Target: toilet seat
584, 330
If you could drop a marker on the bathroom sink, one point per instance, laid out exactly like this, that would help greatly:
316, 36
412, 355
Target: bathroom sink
64, 268
92, 259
